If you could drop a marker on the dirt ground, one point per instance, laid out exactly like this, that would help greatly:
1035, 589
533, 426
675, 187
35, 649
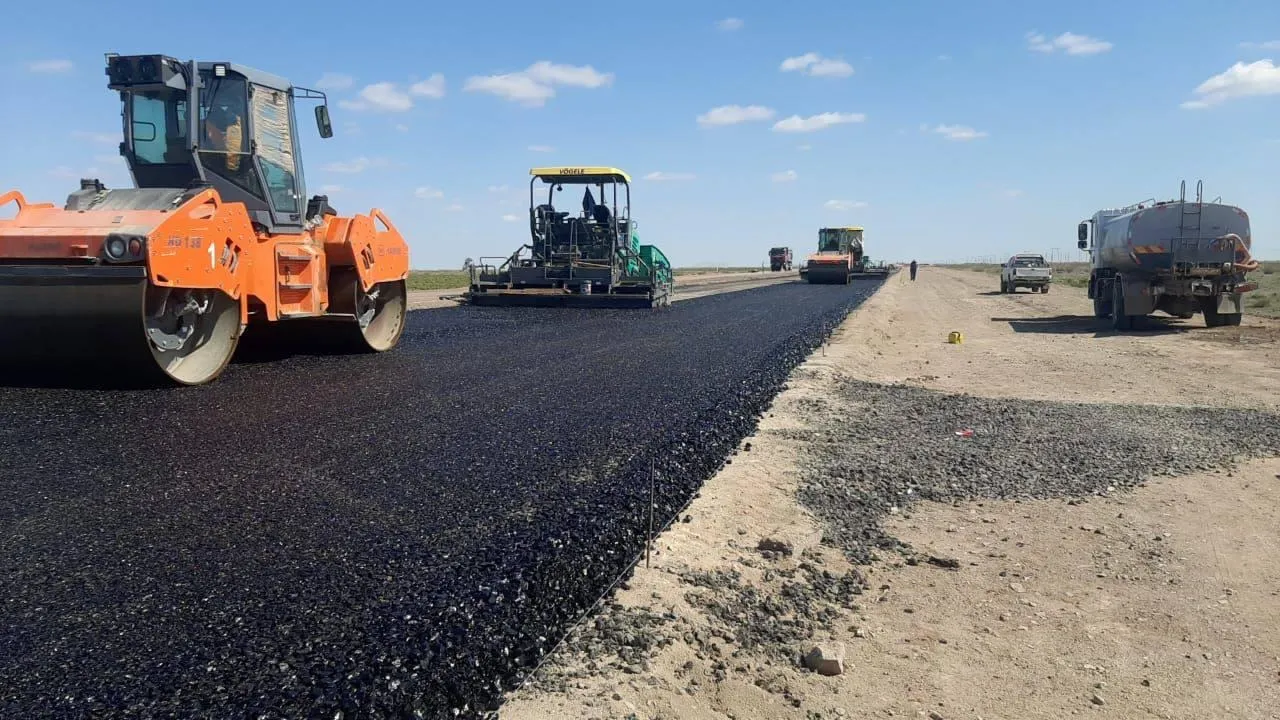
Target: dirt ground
1163, 602
1046, 346
687, 287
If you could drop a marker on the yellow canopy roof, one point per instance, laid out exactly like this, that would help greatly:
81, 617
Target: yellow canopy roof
582, 175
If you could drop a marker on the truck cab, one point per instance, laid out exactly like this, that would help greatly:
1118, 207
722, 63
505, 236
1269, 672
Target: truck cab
779, 258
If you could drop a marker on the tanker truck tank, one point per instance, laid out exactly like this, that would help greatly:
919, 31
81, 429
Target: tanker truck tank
1154, 239
1176, 256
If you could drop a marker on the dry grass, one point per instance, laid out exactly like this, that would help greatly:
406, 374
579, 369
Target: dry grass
1263, 301
449, 279
1266, 299
437, 279
709, 269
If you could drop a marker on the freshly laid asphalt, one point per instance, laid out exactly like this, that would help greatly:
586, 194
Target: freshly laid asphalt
395, 535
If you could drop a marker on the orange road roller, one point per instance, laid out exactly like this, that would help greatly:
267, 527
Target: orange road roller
164, 277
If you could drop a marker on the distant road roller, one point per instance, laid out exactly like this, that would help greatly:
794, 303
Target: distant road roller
839, 256
591, 260
164, 277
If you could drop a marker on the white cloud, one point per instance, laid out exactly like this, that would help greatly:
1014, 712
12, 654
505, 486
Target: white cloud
428, 193
659, 175
822, 121
944, 58
510, 218
785, 176
541, 148
104, 138
804, 148
358, 165
536, 84
1012, 193
730, 24
816, 65
844, 204
330, 189
735, 114
334, 81
50, 66
1240, 80
402, 127
514, 86
799, 62
498, 188
455, 207
1068, 42
831, 68
432, 87
1265, 45
384, 96
959, 132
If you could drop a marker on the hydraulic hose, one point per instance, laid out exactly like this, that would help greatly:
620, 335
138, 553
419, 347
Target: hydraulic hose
1244, 259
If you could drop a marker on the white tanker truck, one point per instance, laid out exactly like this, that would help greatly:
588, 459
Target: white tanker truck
1175, 256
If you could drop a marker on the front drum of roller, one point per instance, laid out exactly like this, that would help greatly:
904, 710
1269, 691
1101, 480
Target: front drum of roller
110, 325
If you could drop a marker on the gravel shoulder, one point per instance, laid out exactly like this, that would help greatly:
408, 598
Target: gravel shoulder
687, 287
1049, 347
1092, 548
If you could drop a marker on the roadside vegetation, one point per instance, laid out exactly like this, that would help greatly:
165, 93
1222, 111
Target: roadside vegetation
452, 279
1263, 301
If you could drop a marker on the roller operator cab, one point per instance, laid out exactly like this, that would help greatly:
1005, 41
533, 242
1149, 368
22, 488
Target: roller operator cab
215, 235
1176, 256
590, 257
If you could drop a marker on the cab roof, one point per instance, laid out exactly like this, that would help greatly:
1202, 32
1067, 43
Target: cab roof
854, 228
581, 175
253, 75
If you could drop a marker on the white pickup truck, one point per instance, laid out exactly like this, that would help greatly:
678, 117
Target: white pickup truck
1026, 270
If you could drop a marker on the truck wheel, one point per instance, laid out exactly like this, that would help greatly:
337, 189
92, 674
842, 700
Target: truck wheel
1101, 307
1209, 308
1119, 321
1044, 289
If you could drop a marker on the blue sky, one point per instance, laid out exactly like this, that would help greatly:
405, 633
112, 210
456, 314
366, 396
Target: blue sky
949, 130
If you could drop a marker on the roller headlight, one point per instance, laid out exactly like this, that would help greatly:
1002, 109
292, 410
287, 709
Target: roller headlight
123, 248
116, 248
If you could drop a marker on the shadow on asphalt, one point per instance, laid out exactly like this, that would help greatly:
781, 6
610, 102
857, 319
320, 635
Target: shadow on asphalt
258, 345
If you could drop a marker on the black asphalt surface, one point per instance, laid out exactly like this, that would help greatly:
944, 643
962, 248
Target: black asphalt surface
396, 535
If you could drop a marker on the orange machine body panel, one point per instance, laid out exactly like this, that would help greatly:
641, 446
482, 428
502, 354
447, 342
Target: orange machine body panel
832, 260
203, 242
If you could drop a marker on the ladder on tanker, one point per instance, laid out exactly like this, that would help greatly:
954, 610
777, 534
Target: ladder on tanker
1188, 238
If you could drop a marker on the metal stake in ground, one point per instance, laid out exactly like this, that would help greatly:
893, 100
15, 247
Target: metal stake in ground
649, 541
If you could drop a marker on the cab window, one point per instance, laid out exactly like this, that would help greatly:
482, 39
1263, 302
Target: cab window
274, 142
224, 145
158, 127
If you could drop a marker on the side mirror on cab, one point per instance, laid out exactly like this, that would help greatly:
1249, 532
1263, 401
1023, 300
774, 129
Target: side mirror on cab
1082, 234
322, 121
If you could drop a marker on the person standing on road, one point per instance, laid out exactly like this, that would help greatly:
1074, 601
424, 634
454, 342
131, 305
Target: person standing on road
913, 270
